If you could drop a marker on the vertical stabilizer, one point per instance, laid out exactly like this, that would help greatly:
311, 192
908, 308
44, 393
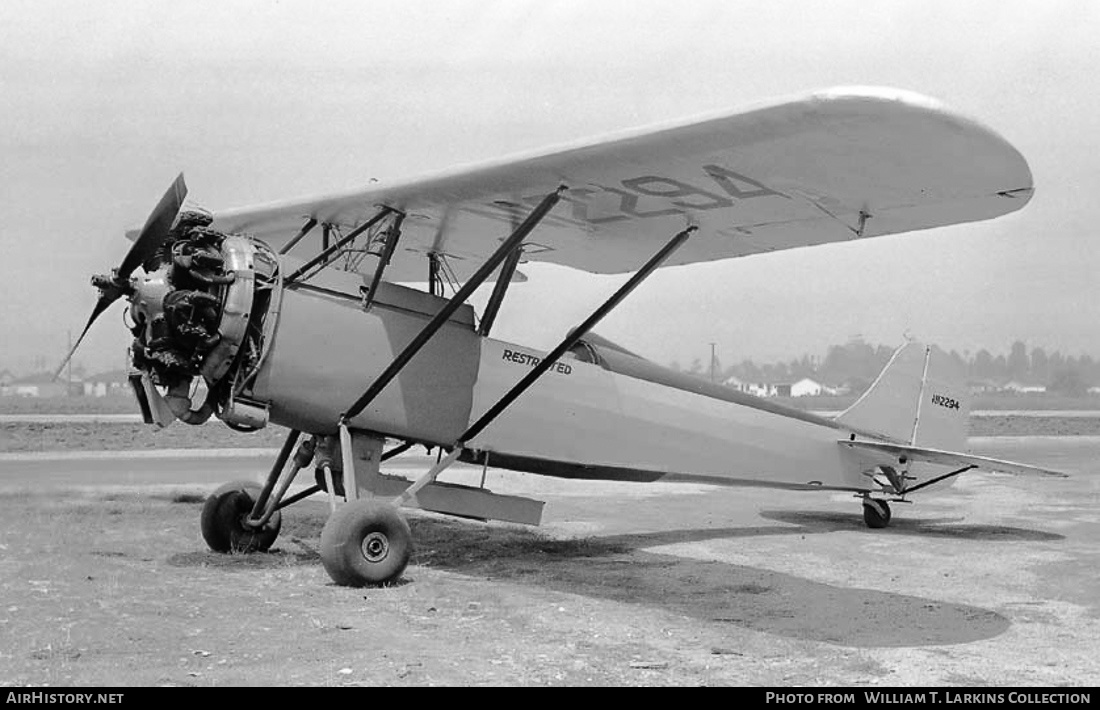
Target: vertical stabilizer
920, 398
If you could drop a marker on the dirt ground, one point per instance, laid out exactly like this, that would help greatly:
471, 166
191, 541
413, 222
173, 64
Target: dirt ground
993, 581
117, 589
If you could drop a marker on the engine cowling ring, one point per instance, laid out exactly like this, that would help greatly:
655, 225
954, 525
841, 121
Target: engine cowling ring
239, 254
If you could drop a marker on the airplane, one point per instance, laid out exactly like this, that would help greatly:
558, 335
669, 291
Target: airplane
324, 335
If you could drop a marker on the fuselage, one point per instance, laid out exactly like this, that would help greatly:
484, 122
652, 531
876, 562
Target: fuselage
582, 419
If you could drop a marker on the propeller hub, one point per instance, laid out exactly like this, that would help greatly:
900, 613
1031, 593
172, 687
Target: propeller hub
147, 294
110, 285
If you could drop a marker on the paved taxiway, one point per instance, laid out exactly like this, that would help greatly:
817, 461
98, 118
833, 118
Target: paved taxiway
994, 580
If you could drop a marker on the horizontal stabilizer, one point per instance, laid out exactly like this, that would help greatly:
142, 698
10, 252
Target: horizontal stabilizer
952, 458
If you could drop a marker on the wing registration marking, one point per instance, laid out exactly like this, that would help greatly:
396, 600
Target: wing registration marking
636, 198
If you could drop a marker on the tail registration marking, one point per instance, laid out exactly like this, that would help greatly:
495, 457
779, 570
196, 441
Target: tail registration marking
944, 401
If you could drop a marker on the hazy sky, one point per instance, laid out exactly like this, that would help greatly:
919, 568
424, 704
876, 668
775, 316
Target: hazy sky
102, 103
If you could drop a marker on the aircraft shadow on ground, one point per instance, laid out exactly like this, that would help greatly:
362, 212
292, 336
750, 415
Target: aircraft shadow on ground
619, 569
817, 521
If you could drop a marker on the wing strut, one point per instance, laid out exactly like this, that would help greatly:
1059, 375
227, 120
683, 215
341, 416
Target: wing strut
509, 245
545, 364
574, 335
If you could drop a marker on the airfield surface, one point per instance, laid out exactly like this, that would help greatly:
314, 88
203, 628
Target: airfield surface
105, 580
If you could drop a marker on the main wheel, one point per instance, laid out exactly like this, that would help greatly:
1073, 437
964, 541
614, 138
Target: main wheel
876, 513
223, 517
365, 542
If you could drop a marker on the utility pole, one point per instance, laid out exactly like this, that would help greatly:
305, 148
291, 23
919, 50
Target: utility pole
69, 365
712, 360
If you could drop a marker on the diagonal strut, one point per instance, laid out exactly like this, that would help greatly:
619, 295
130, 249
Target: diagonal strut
452, 305
574, 335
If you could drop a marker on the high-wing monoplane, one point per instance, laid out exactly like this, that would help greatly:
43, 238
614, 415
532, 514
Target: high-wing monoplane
294, 313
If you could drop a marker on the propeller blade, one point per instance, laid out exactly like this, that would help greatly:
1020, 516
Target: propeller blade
156, 228
150, 239
105, 300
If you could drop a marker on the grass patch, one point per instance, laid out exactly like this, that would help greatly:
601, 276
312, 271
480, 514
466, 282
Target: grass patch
114, 404
441, 542
127, 436
190, 498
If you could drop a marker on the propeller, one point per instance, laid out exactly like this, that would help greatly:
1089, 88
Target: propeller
117, 283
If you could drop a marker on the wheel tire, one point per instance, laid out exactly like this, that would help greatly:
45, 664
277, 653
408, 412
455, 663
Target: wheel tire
876, 513
365, 543
223, 516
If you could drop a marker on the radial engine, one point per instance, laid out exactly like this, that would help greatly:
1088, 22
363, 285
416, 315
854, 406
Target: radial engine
197, 317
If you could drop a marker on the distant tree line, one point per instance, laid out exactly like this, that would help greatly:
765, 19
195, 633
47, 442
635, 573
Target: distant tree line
856, 364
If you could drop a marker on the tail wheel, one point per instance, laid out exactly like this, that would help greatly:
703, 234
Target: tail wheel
876, 513
365, 543
223, 517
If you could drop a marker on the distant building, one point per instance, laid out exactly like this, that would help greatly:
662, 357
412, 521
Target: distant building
807, 388
734, 383
1021, 388
6, 378
107, 383
43, 384
982, 386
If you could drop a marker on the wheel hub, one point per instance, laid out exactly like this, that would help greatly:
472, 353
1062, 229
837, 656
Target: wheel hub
375, 547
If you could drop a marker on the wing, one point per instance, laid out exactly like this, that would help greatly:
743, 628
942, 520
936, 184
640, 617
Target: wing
833, 166
952, 458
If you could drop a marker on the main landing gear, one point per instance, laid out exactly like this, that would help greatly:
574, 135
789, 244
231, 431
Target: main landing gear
364, 542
